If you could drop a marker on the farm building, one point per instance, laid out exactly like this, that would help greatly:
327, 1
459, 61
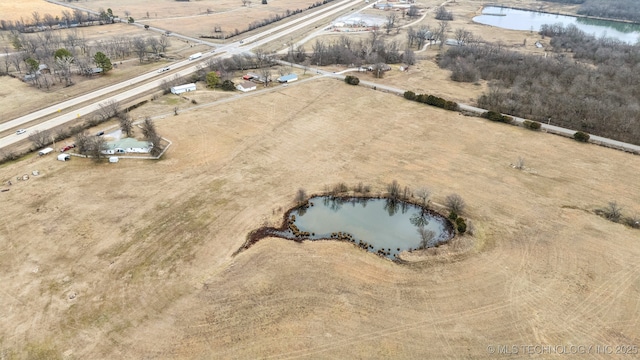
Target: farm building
45, 151
183, 88
246, 86
64, 157
453, 42
288, 78
127, 145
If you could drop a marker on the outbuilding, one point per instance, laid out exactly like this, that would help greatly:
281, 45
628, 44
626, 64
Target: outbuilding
45, 151
183, 88
288, 78
64, 157
246, 86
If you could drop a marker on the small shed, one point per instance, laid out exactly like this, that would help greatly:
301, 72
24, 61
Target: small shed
288, 78
45, 151
183, 88
114, 159
246, 86
64, 157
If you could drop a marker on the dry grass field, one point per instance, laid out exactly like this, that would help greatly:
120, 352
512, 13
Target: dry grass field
135, 259
193, 18
17, 9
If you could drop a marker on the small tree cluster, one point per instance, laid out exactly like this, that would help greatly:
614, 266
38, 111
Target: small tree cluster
432, 100
613, 212
352, 80
581, 136
90, 145
533, 125
443, 14
496, 116
40, 138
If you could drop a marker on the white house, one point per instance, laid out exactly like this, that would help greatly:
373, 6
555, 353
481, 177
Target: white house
127, 145
183, 88
246, 86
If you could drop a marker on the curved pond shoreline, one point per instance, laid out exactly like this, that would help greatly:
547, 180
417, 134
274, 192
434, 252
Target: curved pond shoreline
513, 18
556, 13
286, 230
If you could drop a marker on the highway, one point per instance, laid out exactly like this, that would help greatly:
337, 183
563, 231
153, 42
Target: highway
226, 50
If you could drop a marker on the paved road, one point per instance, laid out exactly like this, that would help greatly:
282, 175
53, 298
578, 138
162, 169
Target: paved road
227, 50
468, 108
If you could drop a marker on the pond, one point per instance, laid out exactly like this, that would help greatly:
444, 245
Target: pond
527, 20
381, 226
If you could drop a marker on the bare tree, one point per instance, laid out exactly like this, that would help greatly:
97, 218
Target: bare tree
455, 203
150, 133
140, 47
163, 43
266, 74
126, 123
36, 18
393, 190
96, 144
149, 129
613, 211
154, 44
423, 194
108, 109
443, 27
426, 237
391, 22
301, 196
409, 57
463, 37
82, 142
40, 138
63, 65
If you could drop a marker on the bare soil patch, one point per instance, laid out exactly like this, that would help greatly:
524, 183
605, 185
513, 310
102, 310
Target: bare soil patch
135, 259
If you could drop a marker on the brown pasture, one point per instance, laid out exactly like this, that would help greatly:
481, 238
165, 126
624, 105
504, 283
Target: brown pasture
137, 259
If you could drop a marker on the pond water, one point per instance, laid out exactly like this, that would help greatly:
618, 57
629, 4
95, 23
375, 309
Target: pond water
527, 20
378, 225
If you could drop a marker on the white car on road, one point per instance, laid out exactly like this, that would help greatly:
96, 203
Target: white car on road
21, 131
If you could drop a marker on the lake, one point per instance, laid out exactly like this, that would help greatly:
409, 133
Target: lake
527, 20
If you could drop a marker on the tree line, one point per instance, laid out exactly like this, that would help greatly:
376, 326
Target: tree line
71, 53
68, 18
587, 84
612, 9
